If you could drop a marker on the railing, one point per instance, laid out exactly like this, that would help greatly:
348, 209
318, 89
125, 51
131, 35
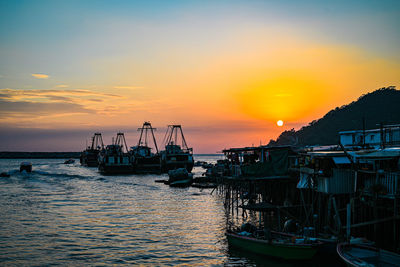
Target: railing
236, 171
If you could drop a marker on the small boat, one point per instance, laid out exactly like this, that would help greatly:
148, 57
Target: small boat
330, 243
180, 178
69, 161
278, 245
359, 255
4, 174
25, 166
161, 181
89, 157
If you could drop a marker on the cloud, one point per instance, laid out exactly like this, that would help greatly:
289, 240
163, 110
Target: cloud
40, 76
59, 98
17, 104
27, 108
77, 94
4, 96
62, 86
128, 87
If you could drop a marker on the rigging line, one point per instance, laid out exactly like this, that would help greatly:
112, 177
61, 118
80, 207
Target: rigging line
165, 137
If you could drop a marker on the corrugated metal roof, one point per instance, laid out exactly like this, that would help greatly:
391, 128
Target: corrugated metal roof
380, 153
341, 160
326, 153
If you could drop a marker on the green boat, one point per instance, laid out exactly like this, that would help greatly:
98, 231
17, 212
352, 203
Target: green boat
280, 246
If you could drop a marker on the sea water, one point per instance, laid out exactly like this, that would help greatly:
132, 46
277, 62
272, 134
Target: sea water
67, 214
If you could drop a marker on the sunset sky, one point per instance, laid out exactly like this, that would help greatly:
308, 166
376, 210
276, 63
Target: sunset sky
226, 70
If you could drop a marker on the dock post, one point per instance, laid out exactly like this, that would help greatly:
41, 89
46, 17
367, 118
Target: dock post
348, 221
279, 219
394, 224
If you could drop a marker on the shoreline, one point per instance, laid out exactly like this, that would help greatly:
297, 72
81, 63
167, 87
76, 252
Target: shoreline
54, 155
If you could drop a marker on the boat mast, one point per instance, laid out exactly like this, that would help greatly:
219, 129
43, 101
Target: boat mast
97, 141
173, 135
120, 140
146, 128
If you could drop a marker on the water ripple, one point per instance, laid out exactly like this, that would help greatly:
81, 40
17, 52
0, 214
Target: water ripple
70, 215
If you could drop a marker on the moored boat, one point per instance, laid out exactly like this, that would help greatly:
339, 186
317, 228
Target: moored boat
180, 178
114, 159
181, 183
279, 245
176, 156
359, 255
89, 157
142, 157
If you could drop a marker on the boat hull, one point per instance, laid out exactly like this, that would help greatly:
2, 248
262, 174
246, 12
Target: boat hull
115, 169
181, 183
147, 165
278, 250
359, 255
172, 161
168, 165
89, 158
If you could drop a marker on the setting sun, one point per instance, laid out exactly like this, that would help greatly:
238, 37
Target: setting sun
279, 123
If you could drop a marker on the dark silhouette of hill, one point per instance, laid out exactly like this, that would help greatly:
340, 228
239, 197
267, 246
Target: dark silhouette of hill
380, 106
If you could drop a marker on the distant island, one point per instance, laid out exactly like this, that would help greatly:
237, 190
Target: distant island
38, 155
380, 106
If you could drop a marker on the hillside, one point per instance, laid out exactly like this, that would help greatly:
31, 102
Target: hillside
380, 106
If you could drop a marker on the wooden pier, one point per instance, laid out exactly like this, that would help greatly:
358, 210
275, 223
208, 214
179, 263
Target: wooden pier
334, 194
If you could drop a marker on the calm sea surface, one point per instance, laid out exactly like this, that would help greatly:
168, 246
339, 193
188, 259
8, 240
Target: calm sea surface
71, 215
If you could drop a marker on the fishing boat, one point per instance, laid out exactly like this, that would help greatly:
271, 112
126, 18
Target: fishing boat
142, 157
176, 156
115, 159
180, 178
359, 255
89, 157
278, 245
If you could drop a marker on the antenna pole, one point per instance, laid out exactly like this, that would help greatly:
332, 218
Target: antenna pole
363, 132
